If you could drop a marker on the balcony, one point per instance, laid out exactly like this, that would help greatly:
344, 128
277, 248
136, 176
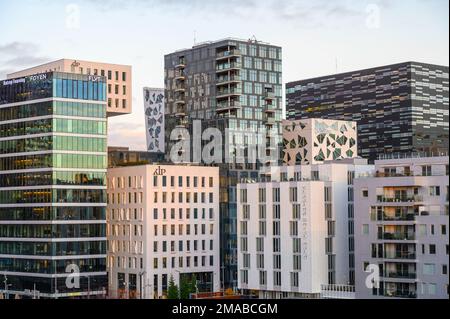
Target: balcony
269, 96
228, 54
223, 80
181, 65
180, 76
225, 67
229, 106
407, 255
399, 218
180, 89
397, 236
400, 199
400, 274
270, 120
400, 294
180, 112
221, 94
180, 101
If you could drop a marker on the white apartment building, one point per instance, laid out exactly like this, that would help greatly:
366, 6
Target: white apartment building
162, 222
401, 229
295, 231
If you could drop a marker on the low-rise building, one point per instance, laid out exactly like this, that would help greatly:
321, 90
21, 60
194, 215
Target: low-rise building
162, 223
295, 231
401, 229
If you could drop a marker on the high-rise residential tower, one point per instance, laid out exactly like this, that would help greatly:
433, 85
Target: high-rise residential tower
53, 135
400, 108
227, 84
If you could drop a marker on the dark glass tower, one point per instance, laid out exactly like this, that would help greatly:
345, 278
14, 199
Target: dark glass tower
232, 84
400, 108
53, 135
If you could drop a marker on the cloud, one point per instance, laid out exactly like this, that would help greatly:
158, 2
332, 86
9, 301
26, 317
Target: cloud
19, 55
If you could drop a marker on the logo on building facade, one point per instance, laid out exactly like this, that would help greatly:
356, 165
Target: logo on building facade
159, 171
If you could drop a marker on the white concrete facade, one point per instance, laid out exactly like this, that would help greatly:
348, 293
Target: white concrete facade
401, 227
313, 141
163, 221
294, 232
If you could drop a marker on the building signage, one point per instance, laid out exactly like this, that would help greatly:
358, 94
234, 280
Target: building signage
159, 171
32, 78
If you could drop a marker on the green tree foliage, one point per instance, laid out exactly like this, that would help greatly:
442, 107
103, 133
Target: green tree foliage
173, 292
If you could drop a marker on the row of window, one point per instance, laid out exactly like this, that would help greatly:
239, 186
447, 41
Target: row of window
53, 196
51, 266
183, 262
53, 249
52, 178
64, 108
277, 278
53, 125
53, 213
102, 72
196, 230
183, 181
53, 231
44, 143
79, 89
53, 160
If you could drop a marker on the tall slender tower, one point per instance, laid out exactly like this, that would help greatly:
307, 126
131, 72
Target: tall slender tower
227, 84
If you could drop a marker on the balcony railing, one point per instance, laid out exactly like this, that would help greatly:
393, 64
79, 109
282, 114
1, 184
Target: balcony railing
228, 92
397, 236
402, 217
400, 199
400, 294
227, 66
227, 54
409, 255
226, 79
269, 95
223, 107
400, 274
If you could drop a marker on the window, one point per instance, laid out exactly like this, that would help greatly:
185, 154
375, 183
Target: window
365, 193
426, 170
435, 191
432, 249
365, 229
124, 76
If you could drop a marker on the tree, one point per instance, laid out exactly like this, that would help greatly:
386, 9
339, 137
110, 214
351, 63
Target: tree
185, 288
193, 285
173, 292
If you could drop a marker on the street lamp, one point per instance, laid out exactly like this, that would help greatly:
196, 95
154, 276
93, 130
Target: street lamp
6, 287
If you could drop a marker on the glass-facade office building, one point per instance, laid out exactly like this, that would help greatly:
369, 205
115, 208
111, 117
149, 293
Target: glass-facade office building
227, 84
53, 159
400, 108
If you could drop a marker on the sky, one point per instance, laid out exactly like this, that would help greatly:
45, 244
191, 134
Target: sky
318, 37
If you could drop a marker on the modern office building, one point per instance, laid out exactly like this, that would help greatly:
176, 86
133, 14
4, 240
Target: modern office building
119, 94
53, 135
228, 84
401, 229
400, 108
295, 232
314, 141
163, 223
